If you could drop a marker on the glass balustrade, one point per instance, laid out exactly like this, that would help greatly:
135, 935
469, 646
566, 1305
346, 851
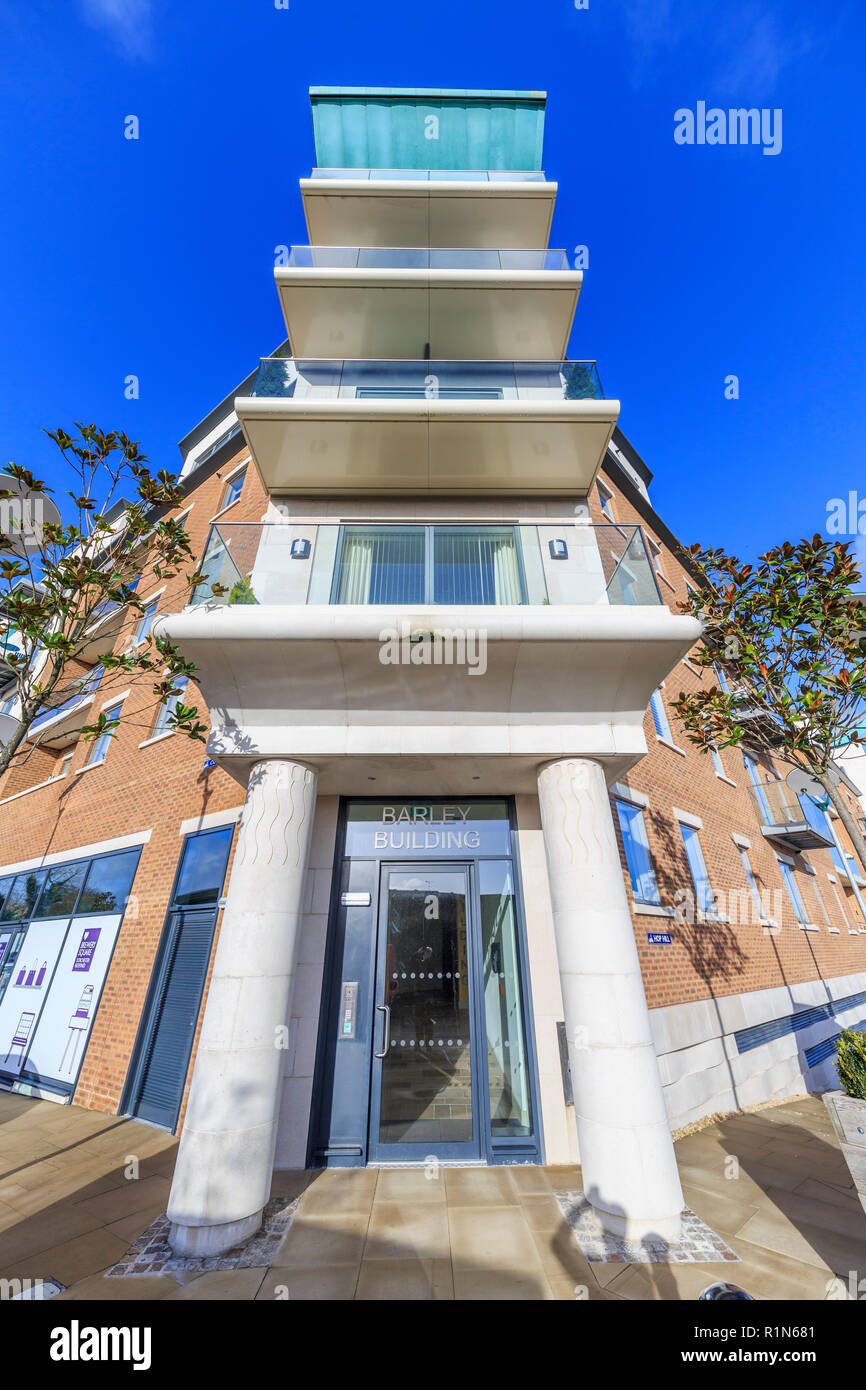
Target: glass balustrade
297, 378
436, 175
423, 258
426, 563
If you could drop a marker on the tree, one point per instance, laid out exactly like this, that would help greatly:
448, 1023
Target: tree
788, 633
70, 588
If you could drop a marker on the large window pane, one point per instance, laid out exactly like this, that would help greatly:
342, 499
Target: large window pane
5, 885
476, 565
641, 870
61, 890
506, 1048
109, 882
22, 898
381, 564
203, 871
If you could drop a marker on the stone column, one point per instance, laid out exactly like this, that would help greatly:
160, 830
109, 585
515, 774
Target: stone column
626, 1152
223, 1174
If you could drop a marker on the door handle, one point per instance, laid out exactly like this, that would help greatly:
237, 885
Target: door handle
386, 1041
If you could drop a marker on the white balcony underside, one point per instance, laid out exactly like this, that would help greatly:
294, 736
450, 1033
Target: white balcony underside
347, 447
352, 212
308, 683
459, 314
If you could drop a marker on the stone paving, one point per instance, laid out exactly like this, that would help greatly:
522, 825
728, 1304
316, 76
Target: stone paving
772, 1185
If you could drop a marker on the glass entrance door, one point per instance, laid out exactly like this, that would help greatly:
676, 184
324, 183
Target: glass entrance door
424, 1096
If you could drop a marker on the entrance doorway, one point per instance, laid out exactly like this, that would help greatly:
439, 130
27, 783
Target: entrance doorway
425, 1045
423, 1091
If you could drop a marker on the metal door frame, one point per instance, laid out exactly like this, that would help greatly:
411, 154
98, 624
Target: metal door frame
466, 1150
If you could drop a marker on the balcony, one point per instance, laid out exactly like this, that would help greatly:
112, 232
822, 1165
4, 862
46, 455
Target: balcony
788, 818
396, 301
383, 651
357, 563
330, 427
419, 207
56, 724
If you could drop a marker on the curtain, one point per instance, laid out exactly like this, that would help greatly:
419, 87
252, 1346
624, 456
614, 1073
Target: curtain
382, 564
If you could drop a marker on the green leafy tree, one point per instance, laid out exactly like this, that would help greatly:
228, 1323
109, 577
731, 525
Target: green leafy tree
72, 586
788, 634
851, 1063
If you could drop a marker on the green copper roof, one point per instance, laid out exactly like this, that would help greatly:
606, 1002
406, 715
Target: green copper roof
420, 128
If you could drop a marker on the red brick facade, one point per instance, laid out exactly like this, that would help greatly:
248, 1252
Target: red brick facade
155, 786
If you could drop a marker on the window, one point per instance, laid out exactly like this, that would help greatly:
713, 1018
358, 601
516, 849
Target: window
22, 897
233, 489
62, 767
165, 711
606, 500
793, 892
203, 869
109, 882
753, 883
758, 785
698, 866
8, 705
61, 890
819, 899
717, 763
660, 716
655, 551
641, 869
102, 743
845, 918
428, 564
722, 679
145, 622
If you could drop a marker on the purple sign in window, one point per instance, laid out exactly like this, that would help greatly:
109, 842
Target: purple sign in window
86, 947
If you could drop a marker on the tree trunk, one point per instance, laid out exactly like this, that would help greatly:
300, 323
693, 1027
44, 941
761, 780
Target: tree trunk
849, 822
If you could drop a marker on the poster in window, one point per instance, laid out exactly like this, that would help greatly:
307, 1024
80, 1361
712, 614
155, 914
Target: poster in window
27, 990
60, 1037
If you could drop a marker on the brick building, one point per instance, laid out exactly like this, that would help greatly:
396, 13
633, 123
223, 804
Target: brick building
439, 679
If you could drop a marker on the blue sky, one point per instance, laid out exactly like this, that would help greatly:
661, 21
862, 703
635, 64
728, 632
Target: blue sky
155, 257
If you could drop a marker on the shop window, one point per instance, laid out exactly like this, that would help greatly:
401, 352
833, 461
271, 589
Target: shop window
62, 887
641, 869
109, 882
23, 895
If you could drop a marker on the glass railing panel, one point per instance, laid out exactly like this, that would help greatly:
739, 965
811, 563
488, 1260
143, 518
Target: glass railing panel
627, 566
406, 378
436, 175
427, 562
424, 258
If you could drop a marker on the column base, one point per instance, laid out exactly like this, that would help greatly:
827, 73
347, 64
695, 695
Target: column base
203, 1242
632, 1229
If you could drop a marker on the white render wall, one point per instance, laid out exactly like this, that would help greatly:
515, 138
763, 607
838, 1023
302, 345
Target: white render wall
702, 1071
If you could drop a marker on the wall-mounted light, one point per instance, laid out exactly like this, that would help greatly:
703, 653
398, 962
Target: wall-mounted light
300, 550
558, 550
